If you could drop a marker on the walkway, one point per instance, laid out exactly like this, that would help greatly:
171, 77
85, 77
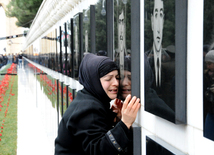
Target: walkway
32, 139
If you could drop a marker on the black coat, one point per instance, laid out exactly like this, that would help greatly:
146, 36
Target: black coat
87, 129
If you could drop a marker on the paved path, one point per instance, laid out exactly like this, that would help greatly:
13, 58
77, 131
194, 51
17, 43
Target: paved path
32, 138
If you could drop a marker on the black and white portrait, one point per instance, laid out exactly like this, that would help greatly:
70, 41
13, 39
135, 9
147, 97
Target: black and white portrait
159, 53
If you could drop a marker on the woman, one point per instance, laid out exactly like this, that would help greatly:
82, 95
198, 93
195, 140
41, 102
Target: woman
87, 127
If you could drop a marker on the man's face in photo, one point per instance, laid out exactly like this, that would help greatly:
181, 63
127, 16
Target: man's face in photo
157, 22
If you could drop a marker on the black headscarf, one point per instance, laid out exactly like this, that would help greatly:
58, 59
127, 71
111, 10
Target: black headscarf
92, 68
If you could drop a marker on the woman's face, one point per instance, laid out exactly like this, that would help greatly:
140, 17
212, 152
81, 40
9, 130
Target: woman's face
125, 84
110, 84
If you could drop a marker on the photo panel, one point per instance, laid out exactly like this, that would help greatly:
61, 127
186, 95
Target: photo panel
69, 48
165, 27
86, 31
64, 47
58, 49
101, 28
53, 50
77, 43
122, 44
156, 146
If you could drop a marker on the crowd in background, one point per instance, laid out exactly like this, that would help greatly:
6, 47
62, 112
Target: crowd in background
9, 58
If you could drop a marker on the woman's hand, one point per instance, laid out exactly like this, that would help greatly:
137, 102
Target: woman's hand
117, 107
129, 110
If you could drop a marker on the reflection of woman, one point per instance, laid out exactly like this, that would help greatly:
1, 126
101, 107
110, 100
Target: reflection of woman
153, 103
87, 125
125, 82
125, 86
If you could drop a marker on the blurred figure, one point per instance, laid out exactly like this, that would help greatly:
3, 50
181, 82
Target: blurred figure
209, 95
20, 60
102, 53
9, 58
125, 82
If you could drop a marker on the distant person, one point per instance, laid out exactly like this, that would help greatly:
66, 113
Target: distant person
20, 60
209, 95
102, 53
88, 127
9, 58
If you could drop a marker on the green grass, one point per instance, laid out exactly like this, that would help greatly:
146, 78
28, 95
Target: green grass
8, 143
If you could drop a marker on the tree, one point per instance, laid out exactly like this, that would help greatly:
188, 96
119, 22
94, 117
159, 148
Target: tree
23, 10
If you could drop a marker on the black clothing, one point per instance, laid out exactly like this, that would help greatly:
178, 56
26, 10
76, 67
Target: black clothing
157, 106
153, 103
87, 126
84, 126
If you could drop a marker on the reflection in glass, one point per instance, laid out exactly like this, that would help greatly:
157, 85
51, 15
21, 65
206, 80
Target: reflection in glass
208, 77
156, 146
103, 11
122, 43
100, 19
58, 50
125, 82
76, 59
86, 30
160, 55
69, 56
64, 37
48, 50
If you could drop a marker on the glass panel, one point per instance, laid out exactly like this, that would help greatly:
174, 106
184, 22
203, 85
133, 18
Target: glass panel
86, 30
155, 145
100, 30
159, 59
58, 50
76, 39
64, 47
52, 58
208, 62
69, 56
122, 44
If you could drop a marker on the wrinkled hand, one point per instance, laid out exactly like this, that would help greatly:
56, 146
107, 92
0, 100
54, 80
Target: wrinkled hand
117, 107
129, 110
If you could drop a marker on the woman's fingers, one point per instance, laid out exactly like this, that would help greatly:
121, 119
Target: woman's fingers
129, 110
126, 102
136, 104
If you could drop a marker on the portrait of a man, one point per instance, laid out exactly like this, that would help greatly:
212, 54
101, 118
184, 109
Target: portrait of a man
157, 52
160, 55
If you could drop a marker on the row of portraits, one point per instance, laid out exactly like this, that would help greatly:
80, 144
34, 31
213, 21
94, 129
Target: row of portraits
108, 28
89, 32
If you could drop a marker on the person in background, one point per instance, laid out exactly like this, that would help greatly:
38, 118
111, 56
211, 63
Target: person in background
102, 53
88, 127
9, 58
20, 60
209, 95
